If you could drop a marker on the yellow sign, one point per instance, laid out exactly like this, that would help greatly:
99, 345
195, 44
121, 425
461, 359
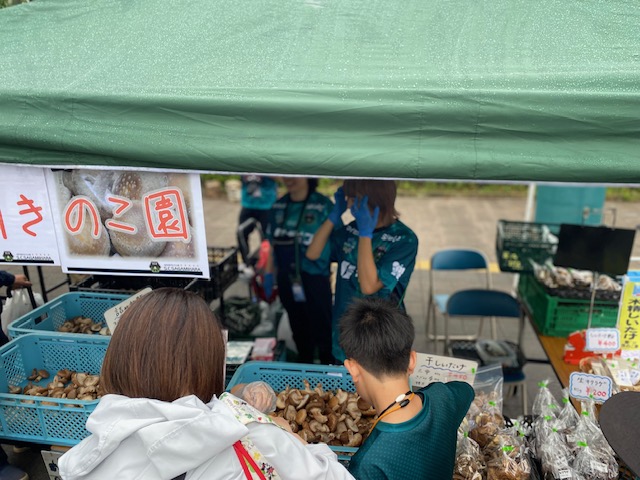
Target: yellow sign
629, 316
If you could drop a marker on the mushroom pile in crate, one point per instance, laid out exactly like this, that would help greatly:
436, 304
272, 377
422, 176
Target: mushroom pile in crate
337, 418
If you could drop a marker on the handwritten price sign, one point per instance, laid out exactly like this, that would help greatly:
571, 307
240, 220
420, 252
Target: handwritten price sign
584, 386
603, 339
112, 316
434, 368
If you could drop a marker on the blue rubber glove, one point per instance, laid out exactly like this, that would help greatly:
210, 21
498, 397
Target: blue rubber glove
339, 207
267, 285
364, 219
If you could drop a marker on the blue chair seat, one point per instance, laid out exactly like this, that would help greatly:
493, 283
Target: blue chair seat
514, 376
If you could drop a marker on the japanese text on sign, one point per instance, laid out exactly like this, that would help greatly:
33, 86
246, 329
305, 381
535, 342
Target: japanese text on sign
129, 222
26, 223
629, 316
165, 215
112, 316
603, 339
585, 386
434, 368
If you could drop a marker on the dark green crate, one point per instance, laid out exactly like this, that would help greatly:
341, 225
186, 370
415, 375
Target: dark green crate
558, 317
518, 243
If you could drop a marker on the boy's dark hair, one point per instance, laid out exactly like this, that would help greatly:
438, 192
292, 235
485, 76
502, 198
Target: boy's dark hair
378, 335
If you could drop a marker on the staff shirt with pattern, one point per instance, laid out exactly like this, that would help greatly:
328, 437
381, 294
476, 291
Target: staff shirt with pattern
394, 251
282, 232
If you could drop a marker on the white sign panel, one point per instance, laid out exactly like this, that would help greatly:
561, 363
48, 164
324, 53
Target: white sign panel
585, 386
27, 235
112, 316
434, 368
129, 222
603, 339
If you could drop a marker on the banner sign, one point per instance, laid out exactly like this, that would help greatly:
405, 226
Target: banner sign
129, 222
27, 235
629, 316
434, 368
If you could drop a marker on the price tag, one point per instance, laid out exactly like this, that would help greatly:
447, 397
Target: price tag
599, 467
584, 386
630, 354
562, 474
112, 316
434, 368
603, 339
623, 377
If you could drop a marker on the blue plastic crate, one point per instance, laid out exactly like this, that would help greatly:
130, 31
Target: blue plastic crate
281, 375
50, 316
54, 421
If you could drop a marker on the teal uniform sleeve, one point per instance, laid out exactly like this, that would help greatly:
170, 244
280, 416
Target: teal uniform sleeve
321, 265
396, 266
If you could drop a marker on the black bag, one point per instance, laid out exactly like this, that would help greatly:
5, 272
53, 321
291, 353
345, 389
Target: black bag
241, 315
469, 349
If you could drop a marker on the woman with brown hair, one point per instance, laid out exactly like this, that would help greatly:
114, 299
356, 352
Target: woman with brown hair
376, 253
165, 416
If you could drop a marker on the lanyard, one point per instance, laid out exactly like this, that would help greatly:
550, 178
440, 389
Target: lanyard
295, 238
246, 462
400, 402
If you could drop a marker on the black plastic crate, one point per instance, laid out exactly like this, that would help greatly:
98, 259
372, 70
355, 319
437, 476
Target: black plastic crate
223, 268
117, 284
519, 243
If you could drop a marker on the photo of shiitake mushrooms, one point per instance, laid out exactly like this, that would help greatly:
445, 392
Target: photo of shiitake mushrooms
99, 187
65, 384
81, 324
337, 418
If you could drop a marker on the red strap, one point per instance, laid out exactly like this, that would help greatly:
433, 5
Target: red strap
246, 461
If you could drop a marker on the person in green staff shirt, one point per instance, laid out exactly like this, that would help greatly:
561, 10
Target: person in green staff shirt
303, 285
376, 253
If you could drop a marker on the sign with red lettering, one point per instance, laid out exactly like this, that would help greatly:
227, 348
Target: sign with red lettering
129, 222
603, 340
434, 368
585, 386
27, 235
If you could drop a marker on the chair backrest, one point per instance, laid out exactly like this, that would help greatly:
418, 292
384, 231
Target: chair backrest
483, 303
458, 259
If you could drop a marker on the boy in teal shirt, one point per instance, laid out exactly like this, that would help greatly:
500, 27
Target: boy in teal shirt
415, 433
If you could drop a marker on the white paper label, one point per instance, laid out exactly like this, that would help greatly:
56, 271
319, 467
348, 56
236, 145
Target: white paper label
603, 340
623, 377
584, 386
630, 354
112, 316
562, 474
27, 235
434, 368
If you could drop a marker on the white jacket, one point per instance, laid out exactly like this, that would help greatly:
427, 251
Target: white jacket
143, 439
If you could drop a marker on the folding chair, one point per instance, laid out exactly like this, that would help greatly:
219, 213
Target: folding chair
489, 303
453, 259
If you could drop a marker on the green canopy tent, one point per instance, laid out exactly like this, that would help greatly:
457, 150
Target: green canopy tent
426, 89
